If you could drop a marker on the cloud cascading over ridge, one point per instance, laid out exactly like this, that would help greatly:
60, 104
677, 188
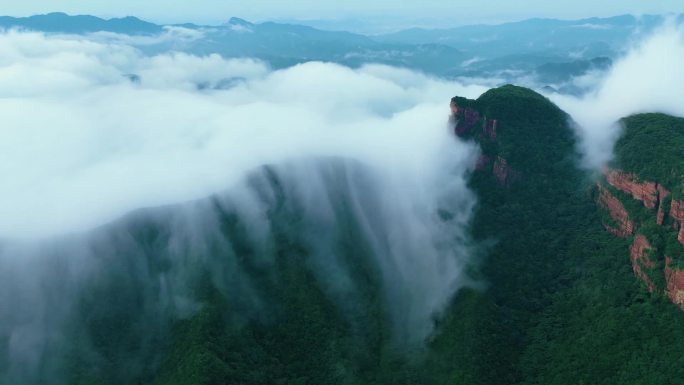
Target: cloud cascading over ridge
648, 78
82, 143
93, 129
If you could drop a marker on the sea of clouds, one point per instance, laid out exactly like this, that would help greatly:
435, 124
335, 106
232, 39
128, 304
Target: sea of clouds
92, 129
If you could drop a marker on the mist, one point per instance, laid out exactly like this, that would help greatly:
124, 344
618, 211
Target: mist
102, 146
647, 78
82, 144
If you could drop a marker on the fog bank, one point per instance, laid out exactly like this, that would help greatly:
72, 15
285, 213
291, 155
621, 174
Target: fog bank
649, 78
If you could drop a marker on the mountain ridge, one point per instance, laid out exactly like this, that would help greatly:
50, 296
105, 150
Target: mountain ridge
216, 297
62, 22
494, 51
563, 296
648, 169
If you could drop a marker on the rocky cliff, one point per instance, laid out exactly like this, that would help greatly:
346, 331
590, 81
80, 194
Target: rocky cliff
643, 194
646, 192
645, 212
561, 291
675, 283
468, 121
677, 214
623, 224
661, 220
639, 255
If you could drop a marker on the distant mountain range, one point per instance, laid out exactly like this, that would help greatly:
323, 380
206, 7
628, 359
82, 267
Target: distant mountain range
61, 22
543, 51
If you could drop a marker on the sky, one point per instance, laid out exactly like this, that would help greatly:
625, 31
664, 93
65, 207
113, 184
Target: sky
391, 13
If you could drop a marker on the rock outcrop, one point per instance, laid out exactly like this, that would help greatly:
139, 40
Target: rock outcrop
653, 196
662, 194
617, 211
463, 119
647, 192
675, 283
677, 213
638, 253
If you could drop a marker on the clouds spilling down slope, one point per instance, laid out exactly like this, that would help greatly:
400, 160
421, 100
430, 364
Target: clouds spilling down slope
92, 131
647, 79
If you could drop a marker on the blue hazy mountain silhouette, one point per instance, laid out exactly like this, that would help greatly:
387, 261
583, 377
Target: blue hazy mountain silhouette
61, 22
548, 50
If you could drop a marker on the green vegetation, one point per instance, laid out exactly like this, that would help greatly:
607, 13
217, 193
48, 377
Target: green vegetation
558, 305
652, 147
563, 298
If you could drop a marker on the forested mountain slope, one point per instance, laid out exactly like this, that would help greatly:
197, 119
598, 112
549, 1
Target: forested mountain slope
289, 285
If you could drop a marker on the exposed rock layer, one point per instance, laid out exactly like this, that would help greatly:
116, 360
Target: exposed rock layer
653, 196
675, 283
625, 226
638, 253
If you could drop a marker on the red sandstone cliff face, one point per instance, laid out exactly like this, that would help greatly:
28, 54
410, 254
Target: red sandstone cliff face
617, 211
653, 196
464, 121
662, 194
677, 213
646, 192
675, 283
650, 193
638, 253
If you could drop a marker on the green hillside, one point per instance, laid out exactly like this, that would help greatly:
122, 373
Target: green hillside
567, 308
652, 147
556, 302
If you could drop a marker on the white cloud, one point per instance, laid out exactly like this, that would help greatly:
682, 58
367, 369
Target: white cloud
471, 61
649, 78
170, 34
82, 144
591, 26
239, 28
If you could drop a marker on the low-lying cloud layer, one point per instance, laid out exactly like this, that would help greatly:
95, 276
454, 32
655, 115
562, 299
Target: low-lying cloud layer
93, 130
649, 78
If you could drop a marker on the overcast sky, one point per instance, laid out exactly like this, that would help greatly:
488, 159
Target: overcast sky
402, 13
